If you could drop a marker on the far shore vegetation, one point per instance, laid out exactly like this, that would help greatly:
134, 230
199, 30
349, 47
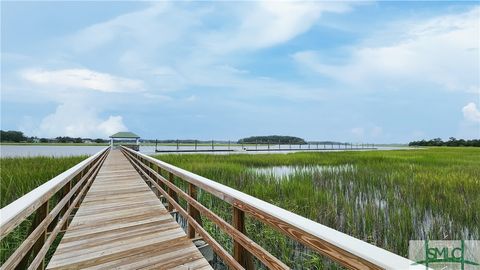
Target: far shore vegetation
273, 139
451, 142
17, 137
12, 137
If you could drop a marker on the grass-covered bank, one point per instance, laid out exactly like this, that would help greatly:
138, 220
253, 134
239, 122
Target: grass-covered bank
386, 198
18, 176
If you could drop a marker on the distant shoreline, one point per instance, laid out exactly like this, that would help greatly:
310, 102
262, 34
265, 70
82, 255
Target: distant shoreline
55, 144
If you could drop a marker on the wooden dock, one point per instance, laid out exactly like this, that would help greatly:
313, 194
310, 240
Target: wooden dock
121, 222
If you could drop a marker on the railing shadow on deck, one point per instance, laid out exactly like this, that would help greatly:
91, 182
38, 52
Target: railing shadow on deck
342, 248
50, 208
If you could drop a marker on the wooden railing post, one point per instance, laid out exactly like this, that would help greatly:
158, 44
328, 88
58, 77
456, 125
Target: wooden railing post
149, 164
171, 192
40, 215
80, 176
159, 171
240, 254
66, 190
156, 169
192, 211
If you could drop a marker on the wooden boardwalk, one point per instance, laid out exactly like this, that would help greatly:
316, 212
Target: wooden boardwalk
122, 224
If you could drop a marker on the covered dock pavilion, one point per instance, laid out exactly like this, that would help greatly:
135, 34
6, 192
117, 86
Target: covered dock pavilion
127, 139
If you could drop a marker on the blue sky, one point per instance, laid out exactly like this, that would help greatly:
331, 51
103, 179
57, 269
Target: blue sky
346, 71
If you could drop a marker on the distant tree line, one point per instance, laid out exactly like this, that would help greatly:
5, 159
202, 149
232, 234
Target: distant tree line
18, 136
12, 136
184, 141
273, 139
78, 140
451, 142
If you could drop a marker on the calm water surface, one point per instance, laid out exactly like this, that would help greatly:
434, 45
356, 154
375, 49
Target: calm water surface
281, 172
62, 151
47, 150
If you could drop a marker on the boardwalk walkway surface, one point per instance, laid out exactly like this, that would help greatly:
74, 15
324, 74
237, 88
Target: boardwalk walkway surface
122, 224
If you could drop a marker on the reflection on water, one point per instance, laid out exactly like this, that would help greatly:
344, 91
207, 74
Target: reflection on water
285, 171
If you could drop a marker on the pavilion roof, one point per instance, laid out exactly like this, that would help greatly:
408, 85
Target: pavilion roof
125, 135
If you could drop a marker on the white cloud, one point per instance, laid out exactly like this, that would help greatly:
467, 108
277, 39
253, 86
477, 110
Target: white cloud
162, 28
190, 50
256, 25
77, 120
471, 112
442, 52
112, 125
82, 78
133, 25
268, 23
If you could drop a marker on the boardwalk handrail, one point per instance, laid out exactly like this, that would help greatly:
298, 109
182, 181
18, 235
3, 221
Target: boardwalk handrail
65, 190
346, 250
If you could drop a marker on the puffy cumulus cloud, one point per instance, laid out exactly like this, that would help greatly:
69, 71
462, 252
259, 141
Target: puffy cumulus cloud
82, 79
442, 52
77, 120
471, 112
112, 125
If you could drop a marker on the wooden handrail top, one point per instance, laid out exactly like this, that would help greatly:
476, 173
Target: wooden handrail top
28, 203
361, 249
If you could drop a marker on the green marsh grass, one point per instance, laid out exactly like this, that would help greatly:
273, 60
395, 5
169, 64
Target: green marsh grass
19, 176
388, 198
